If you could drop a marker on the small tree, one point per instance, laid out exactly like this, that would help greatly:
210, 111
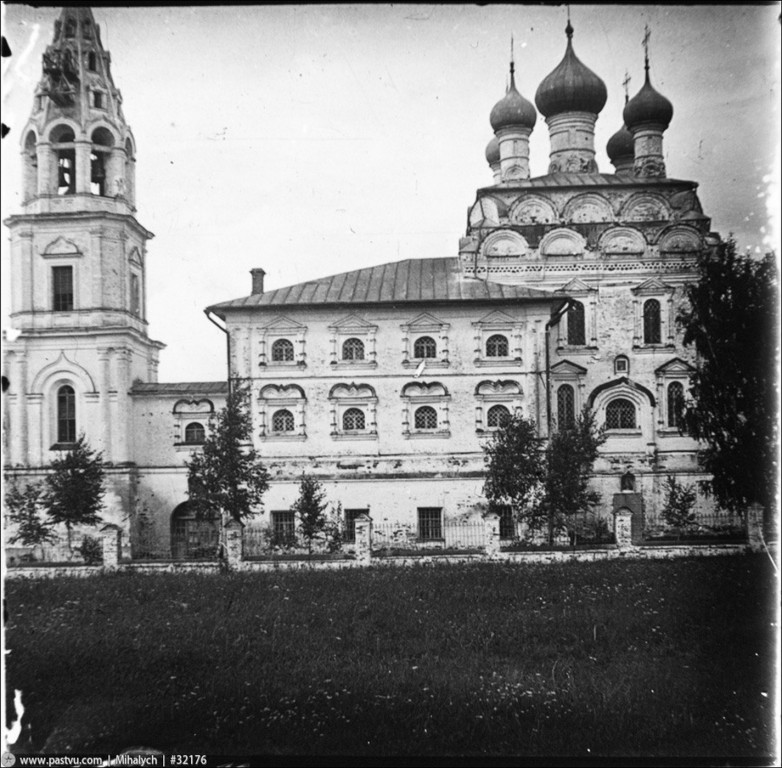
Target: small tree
678, 504
226, 476
24, 511
514, 468
310, 509
74, 489
334, 529
570, 457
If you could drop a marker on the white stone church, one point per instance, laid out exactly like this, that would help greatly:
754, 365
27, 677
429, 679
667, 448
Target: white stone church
386, 381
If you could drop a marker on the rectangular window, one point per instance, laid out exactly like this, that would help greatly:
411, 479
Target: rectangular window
507, 523
62, 282
284, 525
430, 526
350, 522
135, 295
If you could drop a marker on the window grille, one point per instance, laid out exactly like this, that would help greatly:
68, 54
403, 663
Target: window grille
496, 346
350, 522
620, 414
282, 421
426, 418
284, 525
675, 404
652, 322
425, 347
353, 419
66, 415
507, 523
497, 416
62, 281
353, 349
195, 433
430, 526
566, 411
282, 351
576, 331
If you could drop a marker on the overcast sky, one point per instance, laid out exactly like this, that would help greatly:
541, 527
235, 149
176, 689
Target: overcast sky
310, 140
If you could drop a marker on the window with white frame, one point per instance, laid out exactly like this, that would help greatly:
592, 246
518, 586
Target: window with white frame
498, 340
353, 344
190, 420
622, 365
497, 402
352, 349
620, 414
651, 313
66, 414
673, 380
425, 410
282, 412
675, 405
281, 344
567, 392
654, 315
576, 325
353, 411
566, 406
577, 328
425, 342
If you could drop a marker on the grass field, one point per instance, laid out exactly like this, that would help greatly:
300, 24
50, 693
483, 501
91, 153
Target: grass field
616, 658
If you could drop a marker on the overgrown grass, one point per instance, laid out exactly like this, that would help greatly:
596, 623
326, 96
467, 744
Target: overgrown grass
615, 658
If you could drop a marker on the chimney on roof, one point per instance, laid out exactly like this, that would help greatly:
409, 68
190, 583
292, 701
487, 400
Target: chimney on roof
258, 275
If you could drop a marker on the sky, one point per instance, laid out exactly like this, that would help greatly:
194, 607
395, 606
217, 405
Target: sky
311, 140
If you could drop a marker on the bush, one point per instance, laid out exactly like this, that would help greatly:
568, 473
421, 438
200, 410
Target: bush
91, 550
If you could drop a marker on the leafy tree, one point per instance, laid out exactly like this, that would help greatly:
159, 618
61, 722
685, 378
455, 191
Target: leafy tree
334, 529
226, 476
515, 467
679, 500
24, 511
570, 456
310, 510
74, 490
732, 322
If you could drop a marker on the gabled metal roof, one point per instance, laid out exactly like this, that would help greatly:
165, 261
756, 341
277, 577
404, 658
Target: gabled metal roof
411, 280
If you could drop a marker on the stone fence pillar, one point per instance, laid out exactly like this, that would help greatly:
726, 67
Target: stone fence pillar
111, 538
491, 522
234, 540
623, 528
363, 539
754, 523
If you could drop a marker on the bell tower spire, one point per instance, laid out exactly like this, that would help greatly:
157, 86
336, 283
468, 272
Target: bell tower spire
78, 258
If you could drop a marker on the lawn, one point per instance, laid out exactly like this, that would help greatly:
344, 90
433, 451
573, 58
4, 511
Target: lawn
622, 658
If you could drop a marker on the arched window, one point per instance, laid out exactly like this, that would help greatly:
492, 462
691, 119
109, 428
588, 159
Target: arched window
353, 349
282, 421
675, 404
66, 414
496, 346
576, 332
195, 433
566, 410
651, 321
353, 418
620, 414
425, 347
91, 61
63, 138
498, 416
282, 351
426, 417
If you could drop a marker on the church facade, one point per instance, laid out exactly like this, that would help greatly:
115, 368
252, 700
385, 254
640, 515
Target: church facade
384, 382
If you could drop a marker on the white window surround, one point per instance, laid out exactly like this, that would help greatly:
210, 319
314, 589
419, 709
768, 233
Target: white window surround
653, 288
277, 397
349, 327
281, 328
425, 325
418, 393
588, 296
498, 323
490, 393
674, 370
640, 397
343, 397
566, 372
187, 411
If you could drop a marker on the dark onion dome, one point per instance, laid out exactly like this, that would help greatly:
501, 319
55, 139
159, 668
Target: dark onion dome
571, 87
648, 106
620, 145
512, 109
493, 151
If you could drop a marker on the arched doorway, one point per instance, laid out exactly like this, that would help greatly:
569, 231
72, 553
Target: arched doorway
191, 538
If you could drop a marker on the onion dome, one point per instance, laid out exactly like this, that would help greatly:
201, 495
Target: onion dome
620, 145
648, 106
571, 87
493, 151
512, 109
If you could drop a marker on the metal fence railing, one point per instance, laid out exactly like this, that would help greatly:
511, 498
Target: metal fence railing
428, 537
712, 524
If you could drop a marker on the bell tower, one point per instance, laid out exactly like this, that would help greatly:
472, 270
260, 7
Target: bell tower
78, 258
